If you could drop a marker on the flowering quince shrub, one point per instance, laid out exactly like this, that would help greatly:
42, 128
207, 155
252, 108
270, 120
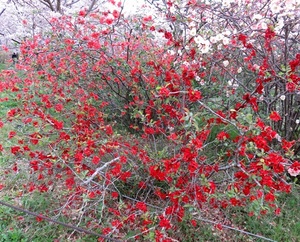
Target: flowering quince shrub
141, 125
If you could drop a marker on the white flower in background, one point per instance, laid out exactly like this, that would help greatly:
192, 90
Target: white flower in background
226, 41
279, 25
205, 48
201, 81
257, 16
199, 40
172, 9
219, 37
278, 137
275, 7
290, 4
233, 84
193, 32
171, 52
293, 172
263, 25
239, 70
225, 63
186, 63
203, 45
213, 40
227, 33
256, 67
226, 3
228, 93
282, 97
297, 121
192, 24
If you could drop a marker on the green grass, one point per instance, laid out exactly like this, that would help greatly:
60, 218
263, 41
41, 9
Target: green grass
16, 226
3, 66
285, 227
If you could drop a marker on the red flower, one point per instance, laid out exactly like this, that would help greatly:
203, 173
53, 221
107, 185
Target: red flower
109, 130
194, 95
235, 202
168, 35
253, 103
43, 188
70, 182
275, 116
116, 169
293, 64
125, 175
219, 226
269, 33
164, 92
115, 13
241, 175
290, 86
11, 112
82, 13
15, 149
142, 185
11, 134
188, 154
109, 21
115, 194
223, 135
149, 130
165, 223
194, 223
64, 136
34, 165
242, 38
260, 123
58, 125
193, 166
261, 143
59, 107
39, 218
156, 173
269, 197
92, 195
95, 160
141, 206
78, 157
294, 169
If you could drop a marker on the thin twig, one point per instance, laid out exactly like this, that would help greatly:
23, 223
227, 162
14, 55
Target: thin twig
100, 169
239, 230
79, 229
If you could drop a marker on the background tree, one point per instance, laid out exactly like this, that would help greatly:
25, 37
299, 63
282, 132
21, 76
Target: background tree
22, 19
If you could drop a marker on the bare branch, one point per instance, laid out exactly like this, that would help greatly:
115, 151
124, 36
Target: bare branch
91, 6
2, 11
100, 169
48, 4
58, 6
